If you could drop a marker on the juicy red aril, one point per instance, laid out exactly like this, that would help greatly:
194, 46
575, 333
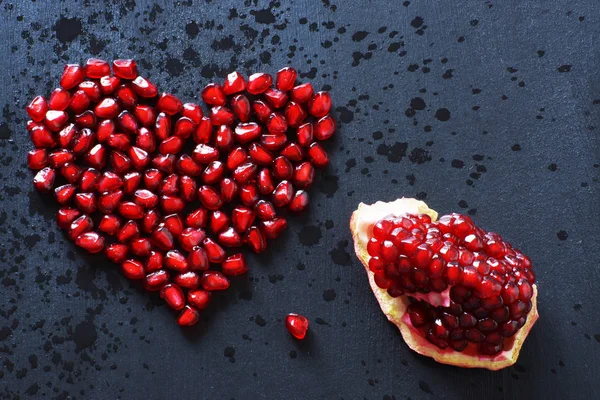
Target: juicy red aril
293, 152
213, 280
95, 68
80, 225
276, 98
240, 105
247, 132
190, 238
219, 221
234, 265
107, 108
274, 227
276, 124
214, 95
242, 218
319, 104
37, 109
265, 181
198, 298
189, 316
304, 175
297, 325
169, 104
55, 120
234, 83
117, 252
109, 224
285, 79
173, 296
317, 155
125, 69
73, 75
282, 168
324, 128
156, 280
294, 114
299, 202
489, 298
187, 280
224, 138
37, 159
90, 241
108, 84
255, 239
249, 194
44, 179
265, 210
144, 88
258, 83
214, 252
302, 93
59, 100
230, 238
283, 194
133, 269
126, 96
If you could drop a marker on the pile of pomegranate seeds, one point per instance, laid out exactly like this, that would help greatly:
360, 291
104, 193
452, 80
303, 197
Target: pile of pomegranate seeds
164, 189
489, 283
297, 325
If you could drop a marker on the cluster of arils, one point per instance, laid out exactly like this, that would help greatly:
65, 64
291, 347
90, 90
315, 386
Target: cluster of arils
162, 188
487, 284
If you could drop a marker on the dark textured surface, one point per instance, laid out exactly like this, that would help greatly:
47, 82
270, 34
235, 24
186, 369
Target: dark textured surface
483, 107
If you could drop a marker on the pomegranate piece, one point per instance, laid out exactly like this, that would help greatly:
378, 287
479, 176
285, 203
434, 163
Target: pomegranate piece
297, 325
125, 69
220, 115
255, 239
55, 120
234, 265
276, 124
240, 105
247, 132
317, 155
108, 108
274, 227
214, 95
458, 294
234, 83
187, 280
133, 269
110, 224
304, 175
302, 93
108, 84
324, 128
198, 298
90, 241
193, 112
73, 75
276, 98
37, 159
37, 109
189, 316
173, 296
144, 88
286, 78
319, 104
44, 179
117, 252
294, 114
155, 281
66, 216
258, 83
95, 68
59, 99
79, 226
214, 280
299, 202
169, 104
214, 252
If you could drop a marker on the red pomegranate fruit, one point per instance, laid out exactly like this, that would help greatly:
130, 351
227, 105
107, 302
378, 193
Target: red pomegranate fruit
458, 293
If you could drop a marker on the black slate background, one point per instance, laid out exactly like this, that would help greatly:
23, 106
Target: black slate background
483, 107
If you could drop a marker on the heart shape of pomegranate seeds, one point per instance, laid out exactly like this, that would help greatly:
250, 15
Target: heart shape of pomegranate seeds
165, 190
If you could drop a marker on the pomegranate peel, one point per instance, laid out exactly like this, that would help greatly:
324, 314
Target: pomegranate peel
396, 308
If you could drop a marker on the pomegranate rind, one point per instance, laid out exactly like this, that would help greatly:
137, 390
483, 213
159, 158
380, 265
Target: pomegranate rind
361, 224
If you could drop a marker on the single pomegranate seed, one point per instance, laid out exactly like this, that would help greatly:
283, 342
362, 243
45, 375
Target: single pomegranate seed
133, 269
242, 218
155, 281
213, 280
304, 134
108, 84
188, 188
262, 110
108, 202
169, 104
125, 69
154, 262
283, 194
317, 155
120, 162
203, 132
66, 216
189, 316
173, 296
55, 120
79, 102
265, 210
104, 130
234, 265
140, 247
304, 175
282, 168
213, 172
107, 108
193, 112
249, 194
240, 105
59, 100
229, 190
236, 158
109, 181
145, 140
190, 238
276, 98
127, 122
299, 202
162, 238
220, 115
171, 204
214, 252
258, 83
187, 280
198, 298
204, 154
255, 239
37, 109
117, 252
247, 132
224, 138
131, 210
150, 221
87, 119
162, 126
294, 114
276, 124
41, 137
297, 325
72, 76
171, 145
319, 104
71, 172
286, 78
91, 89
119, 141
197, 218
44, 179
37, 159
214, 95
293, 152
324, 128
110, 224
197, 259
230, 238
302, 93
86, 202
144, 88
164, 163
259, 155
244, 173
234, 83
219, 221
274, 227
95, 68
126, 96
184, 127
174, 224
79, 226
64, 193
170, 185
209, 198
128, 232
175, 260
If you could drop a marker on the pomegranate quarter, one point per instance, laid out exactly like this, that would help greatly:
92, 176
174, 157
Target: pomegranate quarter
458, 294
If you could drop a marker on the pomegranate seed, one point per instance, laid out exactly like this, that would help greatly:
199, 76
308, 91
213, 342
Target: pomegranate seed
184, 127
213, 95
55, 120
64, 194
249, 194
117, 252
108, 84
108, 202
262, 110
140, 247
274, 227
125, 69
299, 202
162, 238
128, 232
155, 281
171, 204
41, 137
294, 114
255, 239
91, 89
169, 104
162, 126
293, 152
234, 265
89, 180
324, 128
197, 259
87, 119
282, 168
265, 210
108, 108
302, 93
105, 129
304, 174
144, 88
44, 179
242, 218
171, 145
72, 76
283, 194
37, 159
71, 172
79, 102
317, 155
304, 134
119, 162
187, 280
133, 269
164, 163
198, 298
86, 202
214, 252
127, 122
126, 96
234, 83
259, 155
214, 280
240, 105
286, 78
244, 173
319, 104
230, 238
229, 190
175, 260
220, 115
174, 224
189, 316
109, 181
247, 132
95, 68
173, 296
209, 198
131, 210
66, 216
224, 138
59, 100
37, 109
203, 132
79, 226
193, 112
258, 83
204, 154
297, 325
145, 140
219, 221
150, 221
154, 262
188, 188
190, 238
276, 98
276, 124
213, 172
119, 141
236, 158
197, 218
109, 224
